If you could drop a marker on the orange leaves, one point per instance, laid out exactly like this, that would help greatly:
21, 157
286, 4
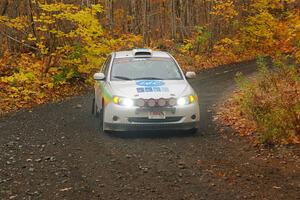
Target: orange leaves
19, 85
268, 105
22, 86
69, 45
230, 114
266, 28
272, 27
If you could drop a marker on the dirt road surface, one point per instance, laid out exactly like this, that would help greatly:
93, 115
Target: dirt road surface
56, 151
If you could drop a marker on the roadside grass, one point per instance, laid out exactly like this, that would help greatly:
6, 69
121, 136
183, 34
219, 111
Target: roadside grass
267, 106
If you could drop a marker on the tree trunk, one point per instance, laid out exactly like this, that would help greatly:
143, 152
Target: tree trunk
3, 7
173, 19
110, 15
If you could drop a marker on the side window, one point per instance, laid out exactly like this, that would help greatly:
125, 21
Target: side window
103, 66
106, 67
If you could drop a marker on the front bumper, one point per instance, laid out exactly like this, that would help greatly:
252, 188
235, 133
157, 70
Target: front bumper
134, 118
151, 127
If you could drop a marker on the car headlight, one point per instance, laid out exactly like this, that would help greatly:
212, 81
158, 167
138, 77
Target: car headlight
127, 102
186, 100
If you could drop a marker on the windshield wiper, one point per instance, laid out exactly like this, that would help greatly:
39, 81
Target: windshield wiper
122, 78
148, 78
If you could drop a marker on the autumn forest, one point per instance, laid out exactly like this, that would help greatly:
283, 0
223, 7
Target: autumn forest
50, 49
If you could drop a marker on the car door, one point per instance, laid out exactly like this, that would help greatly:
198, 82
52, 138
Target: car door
100, 85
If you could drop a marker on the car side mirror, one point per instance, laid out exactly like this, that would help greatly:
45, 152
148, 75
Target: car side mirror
99, 76
190, 75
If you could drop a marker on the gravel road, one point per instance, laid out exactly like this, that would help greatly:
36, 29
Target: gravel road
56, 151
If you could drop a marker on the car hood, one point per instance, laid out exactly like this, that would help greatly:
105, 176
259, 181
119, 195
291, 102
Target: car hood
151, 88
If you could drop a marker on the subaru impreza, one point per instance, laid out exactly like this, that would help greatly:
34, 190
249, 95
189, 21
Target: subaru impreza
144, 90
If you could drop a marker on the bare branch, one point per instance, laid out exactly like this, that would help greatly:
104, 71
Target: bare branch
18, 41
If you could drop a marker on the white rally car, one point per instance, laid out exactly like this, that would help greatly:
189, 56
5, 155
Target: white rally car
144, 90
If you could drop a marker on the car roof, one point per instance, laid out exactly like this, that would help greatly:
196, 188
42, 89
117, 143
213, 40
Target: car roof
131, 54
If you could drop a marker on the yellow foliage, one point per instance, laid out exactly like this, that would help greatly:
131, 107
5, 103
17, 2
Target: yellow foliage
18, 23
71, 46
31, 37
225, 9
68, 42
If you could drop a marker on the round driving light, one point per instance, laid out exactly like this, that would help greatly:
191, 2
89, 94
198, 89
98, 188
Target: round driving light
172, 102
140, 102
151, 102
115, 118
162, 102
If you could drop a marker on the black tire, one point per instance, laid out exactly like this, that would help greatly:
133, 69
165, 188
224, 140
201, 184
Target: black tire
95, 108
193, 131
97, 114
101, 119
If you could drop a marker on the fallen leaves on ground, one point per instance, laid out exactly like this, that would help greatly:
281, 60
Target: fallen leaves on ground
230, 114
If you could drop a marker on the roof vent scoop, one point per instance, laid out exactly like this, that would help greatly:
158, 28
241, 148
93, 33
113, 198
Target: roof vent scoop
142, 53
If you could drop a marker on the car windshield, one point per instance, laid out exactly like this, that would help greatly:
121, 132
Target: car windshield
145, 69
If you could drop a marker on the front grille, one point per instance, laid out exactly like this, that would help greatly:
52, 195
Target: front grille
159, 109
147, 120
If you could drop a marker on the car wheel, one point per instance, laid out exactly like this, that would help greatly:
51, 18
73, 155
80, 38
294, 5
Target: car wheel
101, 121
93, 106
95, 110
193, 131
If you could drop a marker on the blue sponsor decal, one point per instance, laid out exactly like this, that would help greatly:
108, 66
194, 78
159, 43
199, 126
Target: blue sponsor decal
156, 89
165, 89
140, 90
148, 89
150, 83
152, 89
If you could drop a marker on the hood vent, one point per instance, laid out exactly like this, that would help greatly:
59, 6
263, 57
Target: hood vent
141, 53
